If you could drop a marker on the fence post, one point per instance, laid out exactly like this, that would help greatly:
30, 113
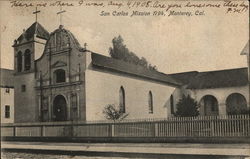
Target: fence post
156, 132
112, 130
41, 130
212, 126
14, 131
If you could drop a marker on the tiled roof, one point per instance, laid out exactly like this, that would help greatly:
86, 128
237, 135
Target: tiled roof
214, 79
6, 78
184, 77
37, 29
124, 67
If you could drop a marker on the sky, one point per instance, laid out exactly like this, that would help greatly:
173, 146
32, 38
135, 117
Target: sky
173, 43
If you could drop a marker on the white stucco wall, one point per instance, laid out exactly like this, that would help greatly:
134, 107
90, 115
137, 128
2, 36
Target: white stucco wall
39, 47
221, 95
7, 99
102, 88
26, 109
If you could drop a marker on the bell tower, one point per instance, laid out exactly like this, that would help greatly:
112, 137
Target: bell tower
24, 53
28, 48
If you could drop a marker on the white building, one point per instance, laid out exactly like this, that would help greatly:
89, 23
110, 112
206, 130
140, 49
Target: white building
7, 96
55, 79
64, 81
218, 92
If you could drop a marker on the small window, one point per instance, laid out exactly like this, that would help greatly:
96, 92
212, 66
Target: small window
7, 111
150, 102
7, 90
23, 88
60, 76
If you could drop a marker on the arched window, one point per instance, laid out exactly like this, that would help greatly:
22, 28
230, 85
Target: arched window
27, 60
122, 100
59, 76
236, 104
150, 102
19, 61
172, 104
209, 105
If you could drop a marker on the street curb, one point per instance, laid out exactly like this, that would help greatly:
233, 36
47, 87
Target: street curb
119, 154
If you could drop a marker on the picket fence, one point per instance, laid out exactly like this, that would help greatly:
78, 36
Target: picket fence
202, 126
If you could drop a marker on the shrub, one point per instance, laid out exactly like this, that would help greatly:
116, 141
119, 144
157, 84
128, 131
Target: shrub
187, 107
112, 113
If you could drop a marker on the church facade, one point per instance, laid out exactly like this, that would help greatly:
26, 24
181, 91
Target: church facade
58, 80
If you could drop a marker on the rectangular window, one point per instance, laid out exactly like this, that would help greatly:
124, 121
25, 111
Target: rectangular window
7, 90
7, 111
23, 88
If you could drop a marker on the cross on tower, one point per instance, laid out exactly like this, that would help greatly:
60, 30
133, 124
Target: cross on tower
60, 13
36, 12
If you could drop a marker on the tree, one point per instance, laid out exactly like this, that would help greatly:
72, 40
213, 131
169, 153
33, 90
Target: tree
187, 107
121, 52
111, 113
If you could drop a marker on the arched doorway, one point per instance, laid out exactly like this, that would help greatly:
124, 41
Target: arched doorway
236, 104
60, 108
209, 105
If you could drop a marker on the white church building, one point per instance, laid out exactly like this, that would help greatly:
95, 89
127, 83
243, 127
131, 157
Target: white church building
55, 79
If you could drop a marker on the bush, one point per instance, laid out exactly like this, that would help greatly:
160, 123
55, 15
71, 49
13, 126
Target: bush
112, 113
187, 107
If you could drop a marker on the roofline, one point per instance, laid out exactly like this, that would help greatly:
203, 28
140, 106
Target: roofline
16, 45
176, 84
219, 87
208, 71
225, 70
183, 73
157, 80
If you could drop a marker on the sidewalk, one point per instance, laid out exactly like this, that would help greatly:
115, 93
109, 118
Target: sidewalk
154, 148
